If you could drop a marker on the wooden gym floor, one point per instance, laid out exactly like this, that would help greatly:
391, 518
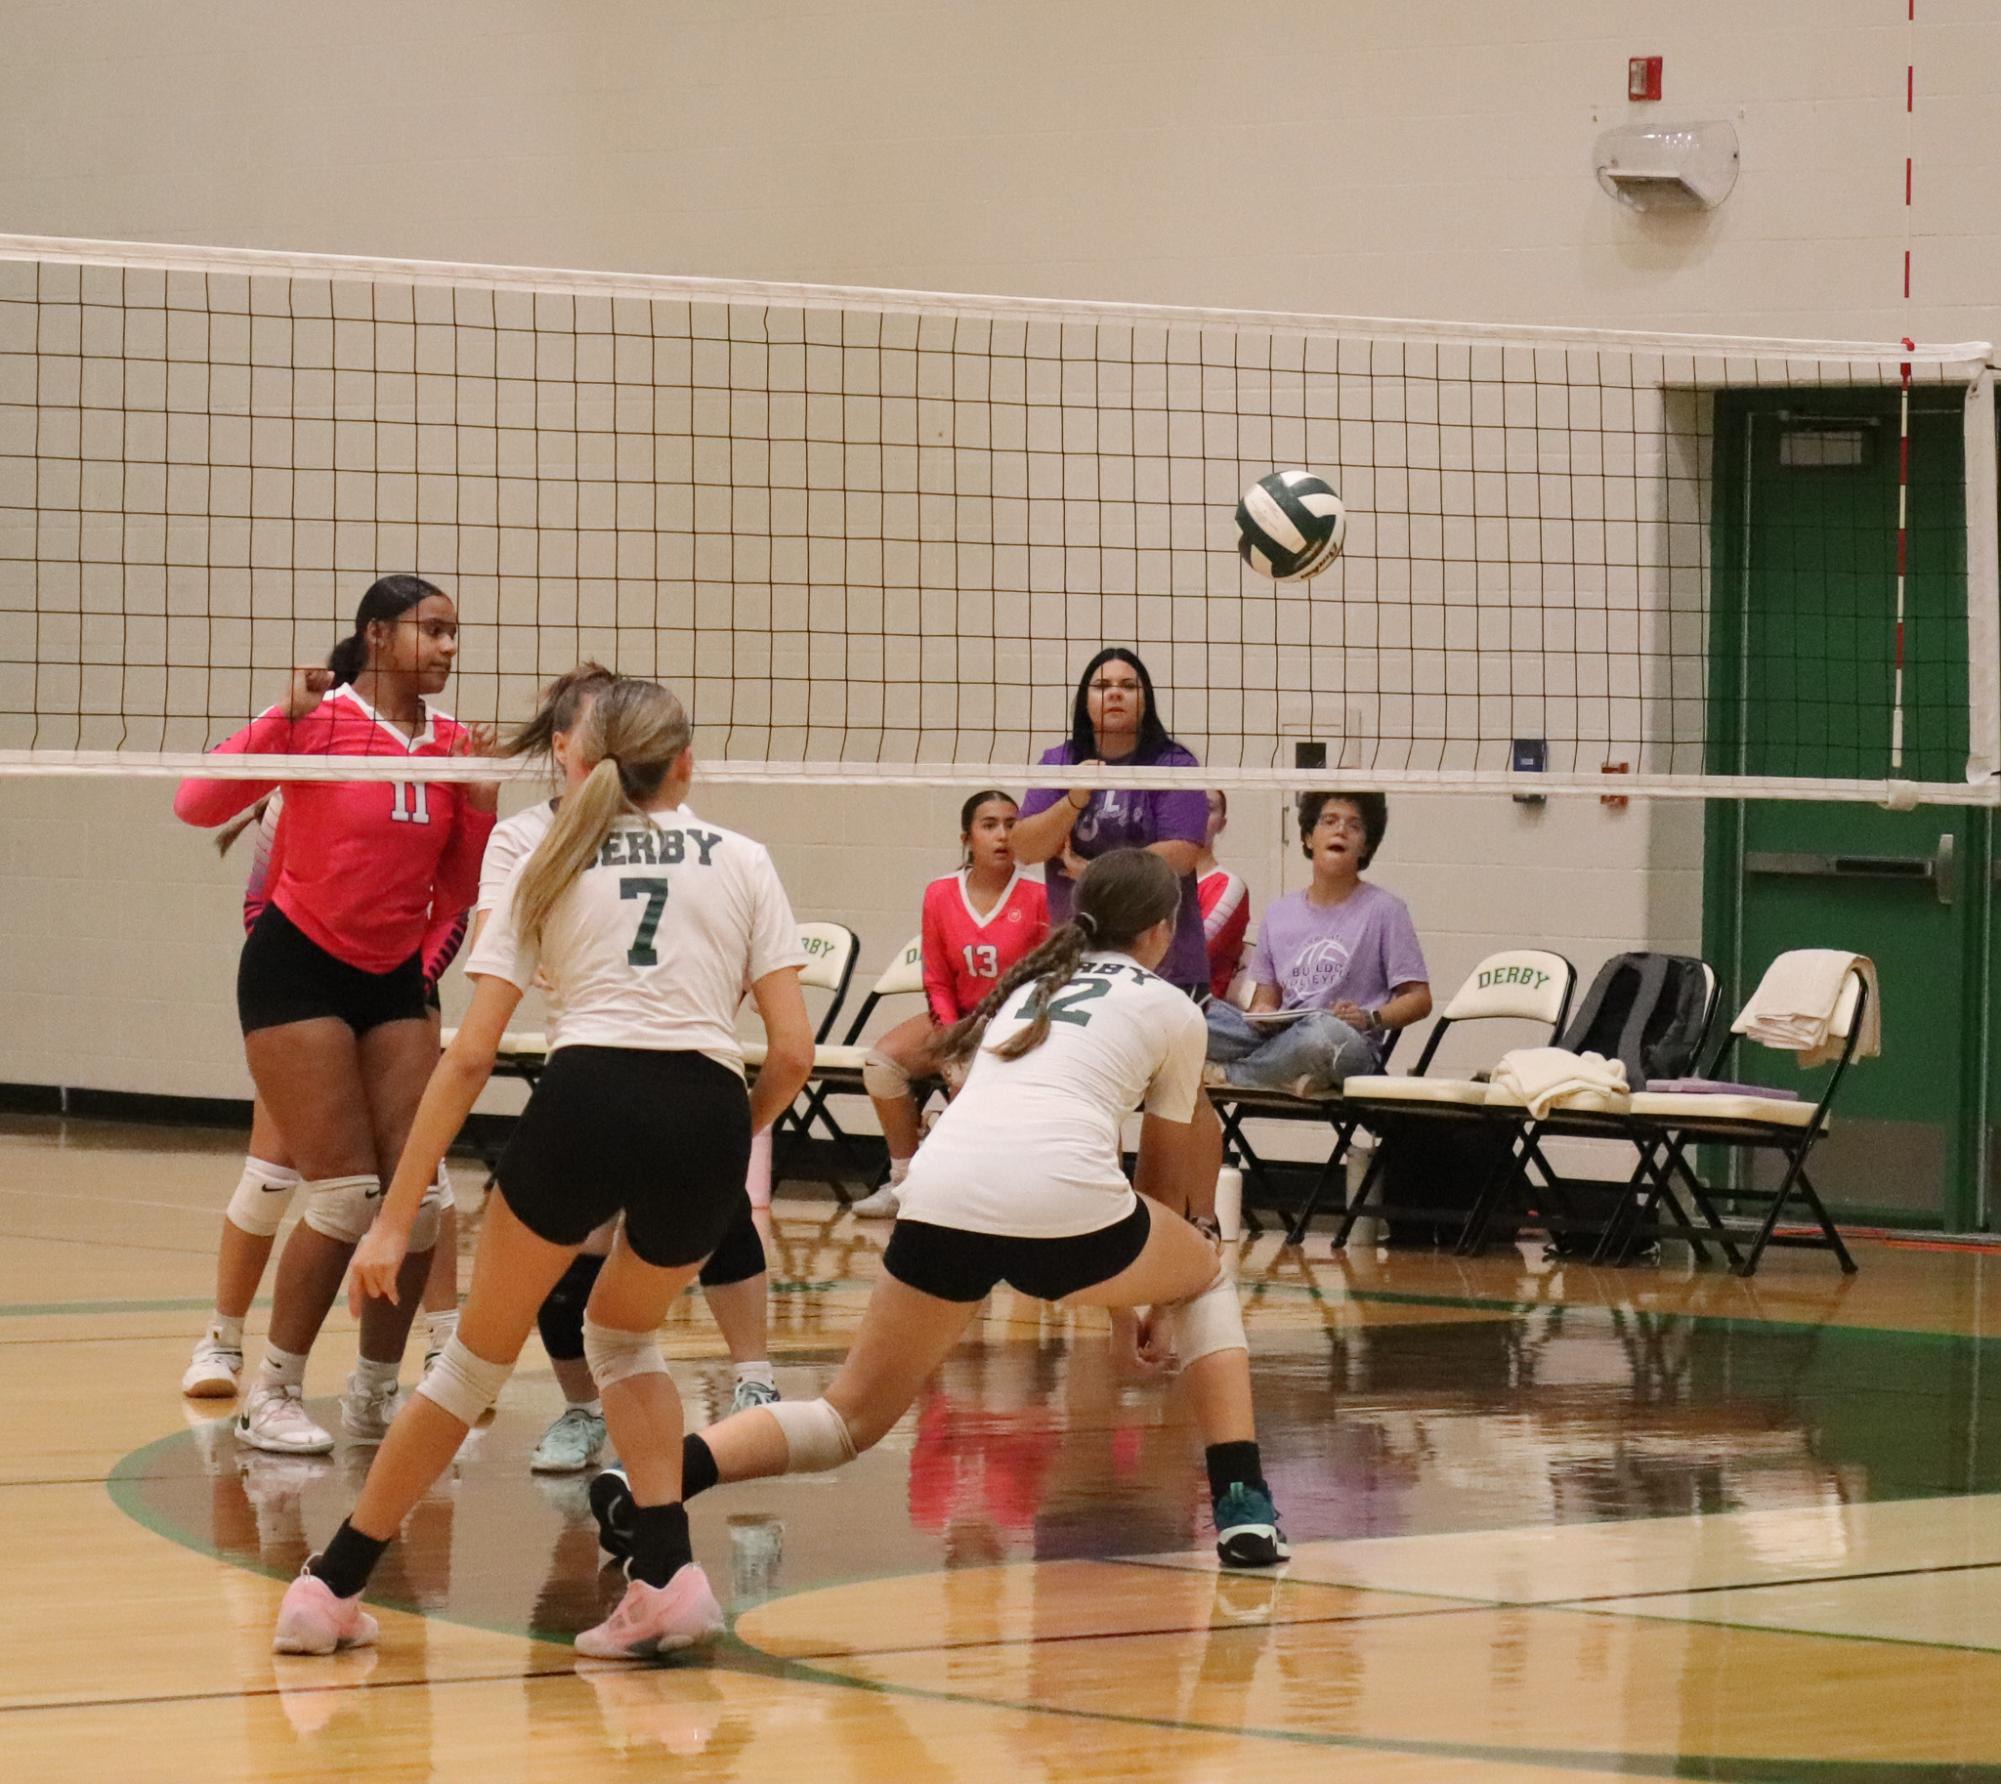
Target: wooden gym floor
1547, 1523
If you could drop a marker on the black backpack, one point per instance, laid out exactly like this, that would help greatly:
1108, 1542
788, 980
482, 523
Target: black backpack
1649, 1011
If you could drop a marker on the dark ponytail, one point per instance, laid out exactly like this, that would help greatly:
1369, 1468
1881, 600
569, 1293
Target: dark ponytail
1123, 894
388, 598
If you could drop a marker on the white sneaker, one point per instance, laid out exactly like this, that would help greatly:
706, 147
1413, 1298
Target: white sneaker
215, 1368
572, 1444
276, 1419
365, 1412
753, 1393
880, 1206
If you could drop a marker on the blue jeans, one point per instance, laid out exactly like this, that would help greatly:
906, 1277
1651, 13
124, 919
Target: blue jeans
1312, 1056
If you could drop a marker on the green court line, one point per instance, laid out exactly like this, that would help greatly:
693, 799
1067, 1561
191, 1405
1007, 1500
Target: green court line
1252, 1286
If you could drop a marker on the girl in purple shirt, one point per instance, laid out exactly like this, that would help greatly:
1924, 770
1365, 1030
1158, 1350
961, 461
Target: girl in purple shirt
1117, 722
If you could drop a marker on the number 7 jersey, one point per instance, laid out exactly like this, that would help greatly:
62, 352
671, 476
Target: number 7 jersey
652, 945
1030, 1147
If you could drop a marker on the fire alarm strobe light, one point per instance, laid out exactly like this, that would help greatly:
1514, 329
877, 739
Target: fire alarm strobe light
1643, 77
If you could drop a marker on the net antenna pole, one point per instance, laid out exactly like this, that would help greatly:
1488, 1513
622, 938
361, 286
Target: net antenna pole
1904, 396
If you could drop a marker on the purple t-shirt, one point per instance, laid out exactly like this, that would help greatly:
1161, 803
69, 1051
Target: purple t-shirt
1133, 820
1356, 951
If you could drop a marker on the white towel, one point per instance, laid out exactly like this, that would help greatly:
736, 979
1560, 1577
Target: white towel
1541, 1077
1793, 1008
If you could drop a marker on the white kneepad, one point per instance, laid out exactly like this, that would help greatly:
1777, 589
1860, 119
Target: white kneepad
883, 1077
1209, 1322
430, 1215
816, 1436
465, 1385
615, 1355
342, 1208
263, 1193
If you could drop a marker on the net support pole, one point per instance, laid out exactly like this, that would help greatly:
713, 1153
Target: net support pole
1983, 583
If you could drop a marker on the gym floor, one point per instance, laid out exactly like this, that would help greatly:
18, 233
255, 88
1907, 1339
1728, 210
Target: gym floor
1546, 1520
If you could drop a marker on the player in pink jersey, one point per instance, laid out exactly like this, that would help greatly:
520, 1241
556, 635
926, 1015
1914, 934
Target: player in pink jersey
331, 988
977, 923
265, 1190
1225, 900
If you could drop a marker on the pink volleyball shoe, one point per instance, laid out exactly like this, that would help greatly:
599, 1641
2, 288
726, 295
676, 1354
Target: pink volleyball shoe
311, 1620
653, 1620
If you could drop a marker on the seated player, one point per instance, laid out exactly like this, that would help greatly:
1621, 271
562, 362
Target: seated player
977, 923
1225, 899
1021, 1183
1342, 952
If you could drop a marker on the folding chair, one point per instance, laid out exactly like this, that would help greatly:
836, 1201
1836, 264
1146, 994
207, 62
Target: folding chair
1666, 1123
837, 1067
1561, 1201
1235, 1105
1516, 985
830, 950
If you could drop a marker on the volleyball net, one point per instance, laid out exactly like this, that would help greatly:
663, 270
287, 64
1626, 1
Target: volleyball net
875, 536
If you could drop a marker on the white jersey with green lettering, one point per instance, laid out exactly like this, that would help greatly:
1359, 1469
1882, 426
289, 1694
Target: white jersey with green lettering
652, 945
1029, 1148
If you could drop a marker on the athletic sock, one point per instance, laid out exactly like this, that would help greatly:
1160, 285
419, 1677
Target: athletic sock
345, 1564
660, 1545
698, 1467
1229, 1464
759, 1371
370, 1374
280, 1368
594, 1407
225, 1331
899, 1168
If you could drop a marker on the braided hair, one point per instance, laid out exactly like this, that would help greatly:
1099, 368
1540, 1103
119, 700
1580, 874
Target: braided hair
1123, 893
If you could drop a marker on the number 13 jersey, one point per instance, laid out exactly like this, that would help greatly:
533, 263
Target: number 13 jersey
965, 954
652, 945
1029, 1148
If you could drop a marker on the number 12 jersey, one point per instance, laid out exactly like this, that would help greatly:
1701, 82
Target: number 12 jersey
1029, 1148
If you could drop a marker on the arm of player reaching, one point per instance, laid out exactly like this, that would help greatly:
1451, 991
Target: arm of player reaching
455, 1085
788, 1046
279, 732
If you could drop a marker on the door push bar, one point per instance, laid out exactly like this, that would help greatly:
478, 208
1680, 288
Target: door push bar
1940, 871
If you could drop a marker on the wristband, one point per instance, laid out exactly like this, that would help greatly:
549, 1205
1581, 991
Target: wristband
1376, 1023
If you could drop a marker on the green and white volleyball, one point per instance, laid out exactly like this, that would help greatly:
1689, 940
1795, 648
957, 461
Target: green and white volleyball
1291, 525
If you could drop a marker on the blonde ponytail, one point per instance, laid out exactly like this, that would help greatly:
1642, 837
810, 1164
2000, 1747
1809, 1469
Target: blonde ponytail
583, 821
633, 735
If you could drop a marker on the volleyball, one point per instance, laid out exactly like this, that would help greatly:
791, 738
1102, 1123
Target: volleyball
1291, 525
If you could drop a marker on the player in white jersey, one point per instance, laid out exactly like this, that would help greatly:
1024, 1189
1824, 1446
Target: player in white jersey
1020, 1183
733, 1278
648, 927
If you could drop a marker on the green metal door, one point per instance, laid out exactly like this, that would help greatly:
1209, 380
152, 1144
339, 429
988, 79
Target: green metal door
1802, 650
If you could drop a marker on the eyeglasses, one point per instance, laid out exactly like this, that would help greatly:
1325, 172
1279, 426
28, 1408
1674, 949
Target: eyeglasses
1353, 826
1115, 687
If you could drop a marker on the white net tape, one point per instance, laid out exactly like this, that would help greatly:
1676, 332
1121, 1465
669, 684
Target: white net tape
874, 536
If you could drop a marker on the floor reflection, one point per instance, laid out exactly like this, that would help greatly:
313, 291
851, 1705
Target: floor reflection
1379, 1417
